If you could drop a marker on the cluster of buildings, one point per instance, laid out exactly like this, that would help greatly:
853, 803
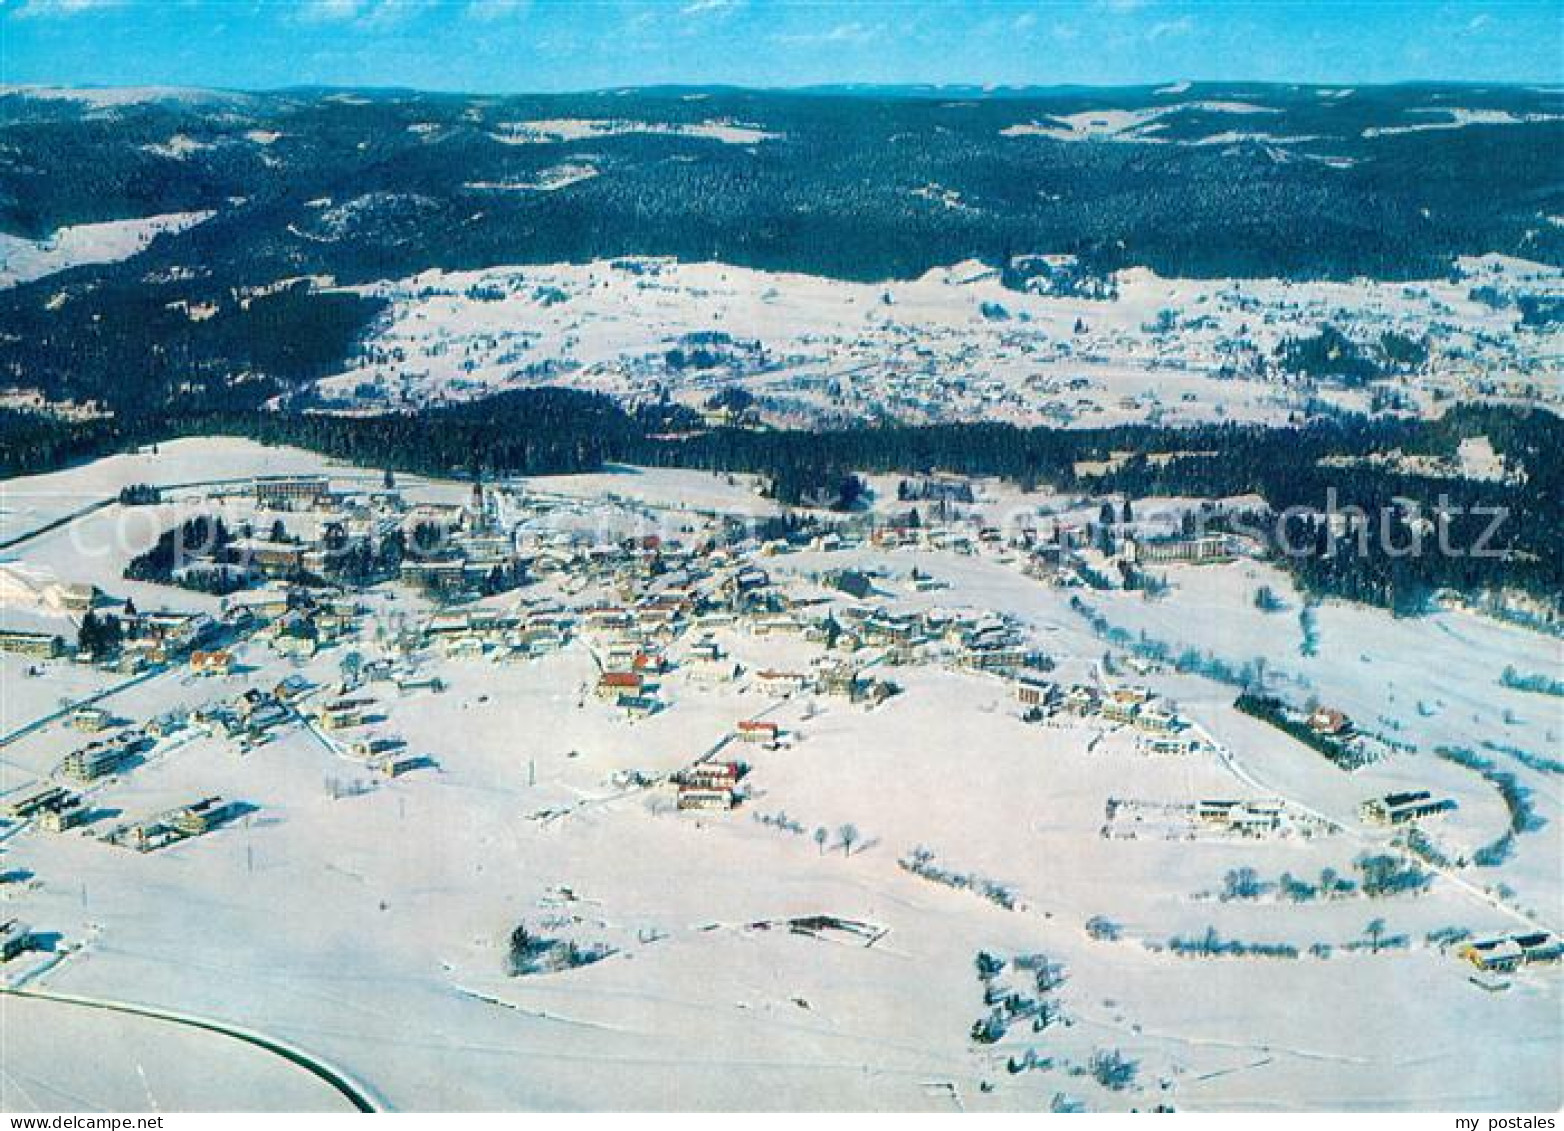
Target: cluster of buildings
520, 633
345, 711
358, 537
161, 636
252, 716
1213, 818
1159, 728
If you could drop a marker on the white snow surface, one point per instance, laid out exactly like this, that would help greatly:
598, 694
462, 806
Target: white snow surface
23, 260
369, 928
954, 344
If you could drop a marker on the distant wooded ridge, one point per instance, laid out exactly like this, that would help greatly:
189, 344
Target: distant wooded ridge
1212, 180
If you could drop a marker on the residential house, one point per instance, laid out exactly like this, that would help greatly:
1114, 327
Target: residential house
759, 730
1399, 808
613, 685
211, 663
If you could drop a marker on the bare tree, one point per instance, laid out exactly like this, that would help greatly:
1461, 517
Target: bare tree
848, 834
821, 836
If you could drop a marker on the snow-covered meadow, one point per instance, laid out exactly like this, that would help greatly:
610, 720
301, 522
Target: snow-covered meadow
23, 260
365, 921
954, 344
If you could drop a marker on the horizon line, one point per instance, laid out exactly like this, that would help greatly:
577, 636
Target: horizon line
841, 87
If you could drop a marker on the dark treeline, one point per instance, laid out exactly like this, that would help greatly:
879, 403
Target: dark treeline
1311, 467
31, 442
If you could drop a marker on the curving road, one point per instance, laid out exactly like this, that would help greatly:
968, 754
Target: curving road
356, 1093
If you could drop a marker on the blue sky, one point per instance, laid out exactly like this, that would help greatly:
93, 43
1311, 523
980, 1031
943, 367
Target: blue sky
515, 45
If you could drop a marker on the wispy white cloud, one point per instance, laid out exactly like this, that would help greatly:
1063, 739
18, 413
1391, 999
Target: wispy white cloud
366, 13
1168, 28
851, 32
708, 7
33, 9
1478, 22
497, 9
333, 11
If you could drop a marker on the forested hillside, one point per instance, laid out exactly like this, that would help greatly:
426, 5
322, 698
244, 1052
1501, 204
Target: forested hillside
1205, 181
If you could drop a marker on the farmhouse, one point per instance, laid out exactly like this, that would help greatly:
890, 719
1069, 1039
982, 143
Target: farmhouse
420, 683
1399, 808
340, 713
368, 748
176, 825
78, 598
1511, 952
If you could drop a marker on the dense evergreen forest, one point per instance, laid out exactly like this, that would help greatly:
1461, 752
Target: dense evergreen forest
557, 431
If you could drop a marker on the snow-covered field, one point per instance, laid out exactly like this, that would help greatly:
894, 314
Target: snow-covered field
952, 345
23, 260
576, 129
365, 921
